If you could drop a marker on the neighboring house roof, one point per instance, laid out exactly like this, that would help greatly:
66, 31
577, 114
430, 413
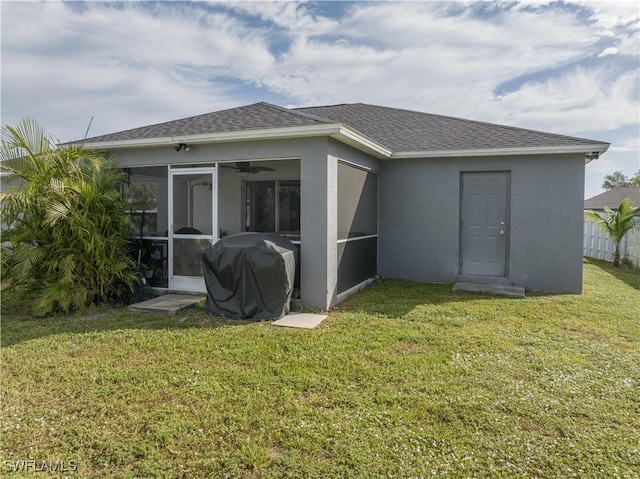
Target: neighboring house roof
383, 131
612, 198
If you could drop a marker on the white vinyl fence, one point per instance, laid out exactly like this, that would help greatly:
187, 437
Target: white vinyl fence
598, 245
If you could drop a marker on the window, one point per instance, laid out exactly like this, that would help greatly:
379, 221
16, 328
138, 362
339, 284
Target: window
273, 206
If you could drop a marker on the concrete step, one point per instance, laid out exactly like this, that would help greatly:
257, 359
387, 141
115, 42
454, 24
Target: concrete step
167, 304
300, 320
507, 290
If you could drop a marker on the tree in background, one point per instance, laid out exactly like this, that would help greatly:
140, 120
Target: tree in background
64, 224
616, 224
617, 178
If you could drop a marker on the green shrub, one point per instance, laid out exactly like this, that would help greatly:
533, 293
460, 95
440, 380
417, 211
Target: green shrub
64, 225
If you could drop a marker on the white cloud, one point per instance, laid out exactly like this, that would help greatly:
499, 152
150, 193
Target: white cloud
613, 14
417, 55
297, 18
569, 68
579, 100
608, 51
622, 149
125, 64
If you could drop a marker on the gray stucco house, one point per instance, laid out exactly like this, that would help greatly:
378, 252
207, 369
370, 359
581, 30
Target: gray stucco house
364, 190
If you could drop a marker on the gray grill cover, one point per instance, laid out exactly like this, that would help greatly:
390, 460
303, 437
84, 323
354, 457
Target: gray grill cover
249, 276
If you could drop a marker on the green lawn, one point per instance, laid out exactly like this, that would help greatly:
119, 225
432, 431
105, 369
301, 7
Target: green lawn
404, 380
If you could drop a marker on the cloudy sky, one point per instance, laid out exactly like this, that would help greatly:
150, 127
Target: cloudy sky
564, 67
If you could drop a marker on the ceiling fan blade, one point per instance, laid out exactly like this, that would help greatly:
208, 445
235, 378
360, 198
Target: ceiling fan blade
257, 169
245, 167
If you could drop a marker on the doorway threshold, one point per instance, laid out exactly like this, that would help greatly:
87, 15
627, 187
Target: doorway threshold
506, 290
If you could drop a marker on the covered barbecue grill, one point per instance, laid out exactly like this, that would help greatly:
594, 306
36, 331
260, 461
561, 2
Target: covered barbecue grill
249, 276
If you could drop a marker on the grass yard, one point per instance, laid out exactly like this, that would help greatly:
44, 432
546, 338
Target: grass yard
404, 380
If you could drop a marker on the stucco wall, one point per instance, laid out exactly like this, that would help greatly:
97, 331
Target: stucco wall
419, 219
351, 155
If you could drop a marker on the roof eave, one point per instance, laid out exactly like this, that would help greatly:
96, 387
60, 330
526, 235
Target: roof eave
361, 142
337, 131
219, 137
591, 151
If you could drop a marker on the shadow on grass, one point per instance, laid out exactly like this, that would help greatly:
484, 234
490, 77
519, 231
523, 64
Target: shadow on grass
18, 326
391, 298
396, 298
623, 273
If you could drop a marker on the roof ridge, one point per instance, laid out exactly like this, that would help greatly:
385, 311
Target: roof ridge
299, 113
329, 106
201, 115
204, 116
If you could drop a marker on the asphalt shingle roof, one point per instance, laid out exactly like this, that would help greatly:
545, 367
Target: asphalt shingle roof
250, 117
612, 198
405, 130
396, 129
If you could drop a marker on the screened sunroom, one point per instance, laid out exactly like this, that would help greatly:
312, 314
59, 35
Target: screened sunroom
176, 211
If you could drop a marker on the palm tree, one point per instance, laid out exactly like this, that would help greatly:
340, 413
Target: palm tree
616, 224
64, 224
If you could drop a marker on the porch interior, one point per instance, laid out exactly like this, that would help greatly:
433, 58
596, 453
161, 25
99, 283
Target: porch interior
261, 196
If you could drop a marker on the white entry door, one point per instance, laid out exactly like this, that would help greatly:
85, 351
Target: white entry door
193, 225
484, 214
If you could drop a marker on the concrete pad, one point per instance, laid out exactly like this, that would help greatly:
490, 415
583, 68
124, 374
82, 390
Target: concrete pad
167, 304
507, 290
300, 320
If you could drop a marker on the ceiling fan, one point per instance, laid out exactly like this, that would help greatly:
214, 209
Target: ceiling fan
243, 168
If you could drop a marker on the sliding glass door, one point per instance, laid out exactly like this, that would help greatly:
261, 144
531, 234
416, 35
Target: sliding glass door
273, 206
